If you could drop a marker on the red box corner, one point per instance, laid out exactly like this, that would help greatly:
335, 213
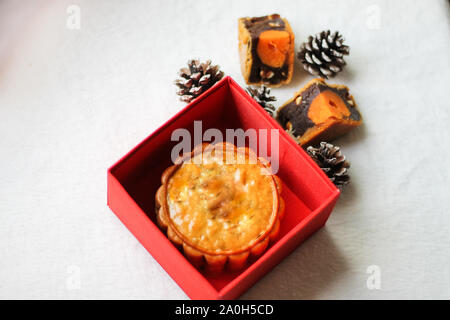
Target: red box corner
132, 182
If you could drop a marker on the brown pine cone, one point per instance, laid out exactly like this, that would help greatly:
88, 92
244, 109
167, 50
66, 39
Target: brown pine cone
323, 54
332, 162
263, 97
196, 79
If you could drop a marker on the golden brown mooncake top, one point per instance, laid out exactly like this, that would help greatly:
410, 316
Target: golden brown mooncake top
222, 207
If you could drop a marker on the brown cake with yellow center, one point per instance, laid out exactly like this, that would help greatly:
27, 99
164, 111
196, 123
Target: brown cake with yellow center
319, 112
266, 50
221, 204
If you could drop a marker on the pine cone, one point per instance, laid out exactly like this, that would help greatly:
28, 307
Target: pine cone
332, 162
262, 96
322, 55
196, 79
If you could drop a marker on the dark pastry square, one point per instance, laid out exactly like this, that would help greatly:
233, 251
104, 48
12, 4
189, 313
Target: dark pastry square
266, 49
319, 112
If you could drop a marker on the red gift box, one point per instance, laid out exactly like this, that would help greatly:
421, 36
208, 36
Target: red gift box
133, 181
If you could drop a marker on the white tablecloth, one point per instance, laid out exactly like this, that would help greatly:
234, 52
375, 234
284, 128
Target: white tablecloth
72, 101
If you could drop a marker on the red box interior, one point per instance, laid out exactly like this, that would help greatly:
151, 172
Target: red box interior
133, 181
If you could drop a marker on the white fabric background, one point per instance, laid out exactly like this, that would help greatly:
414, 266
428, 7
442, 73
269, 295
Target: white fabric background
72, 102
